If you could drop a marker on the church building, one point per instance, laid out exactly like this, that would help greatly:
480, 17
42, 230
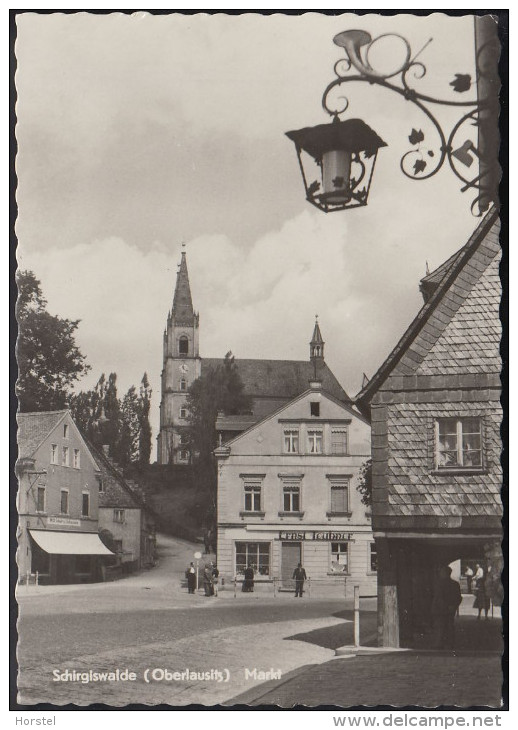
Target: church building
269, 383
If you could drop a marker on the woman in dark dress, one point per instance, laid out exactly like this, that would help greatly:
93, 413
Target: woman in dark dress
482, 599
248, 583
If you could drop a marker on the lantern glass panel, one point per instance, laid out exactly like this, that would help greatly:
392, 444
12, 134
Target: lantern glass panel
336, 173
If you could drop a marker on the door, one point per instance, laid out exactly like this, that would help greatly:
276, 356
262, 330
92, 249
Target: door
291, 556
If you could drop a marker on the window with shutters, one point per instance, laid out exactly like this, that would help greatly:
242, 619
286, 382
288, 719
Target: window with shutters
339, 495
63, 504
339, 441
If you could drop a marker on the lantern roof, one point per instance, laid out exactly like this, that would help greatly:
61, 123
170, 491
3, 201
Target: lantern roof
353, 135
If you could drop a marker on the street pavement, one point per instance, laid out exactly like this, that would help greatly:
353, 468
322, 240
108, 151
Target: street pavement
150, 622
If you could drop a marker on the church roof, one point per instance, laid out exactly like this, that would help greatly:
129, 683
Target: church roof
280, 378
183, 312
33, 429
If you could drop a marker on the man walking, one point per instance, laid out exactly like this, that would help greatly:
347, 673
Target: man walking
300, 576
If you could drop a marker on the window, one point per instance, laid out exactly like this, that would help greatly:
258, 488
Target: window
63, 507
314, 408
65, 430
54, 454
184, 455
252, 499
183, 412
77, 459
291, 441
64, 456
339, 441
315, 441
291, 499
117, 546
85, 504
254, 555
339, 496
183, 384
339, 557
40, 499
118, 515
459, 443
183, 345
101, 486
184, 438
373, 558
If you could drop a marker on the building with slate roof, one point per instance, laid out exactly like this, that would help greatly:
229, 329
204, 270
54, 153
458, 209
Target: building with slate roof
435, 411
58, 501
270, 383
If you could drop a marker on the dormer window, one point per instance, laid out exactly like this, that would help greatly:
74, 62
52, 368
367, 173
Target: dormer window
183, 345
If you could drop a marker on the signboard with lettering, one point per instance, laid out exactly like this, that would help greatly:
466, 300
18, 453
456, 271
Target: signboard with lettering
68, 521
323, 536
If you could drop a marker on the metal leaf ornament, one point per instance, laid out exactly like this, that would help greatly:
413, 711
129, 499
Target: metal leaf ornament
338, 182
419, 166
313, 187
416, 136
461, 83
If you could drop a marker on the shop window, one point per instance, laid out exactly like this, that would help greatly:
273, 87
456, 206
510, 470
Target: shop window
65, 456
339, 557
373, 558
65, 431
85, 504
315, 439
291, 499
314, 408
40, 499
291, 441
63, 505
53, 453
183, 345
254, 555
119, 515
458, 443
339, 441
77, 459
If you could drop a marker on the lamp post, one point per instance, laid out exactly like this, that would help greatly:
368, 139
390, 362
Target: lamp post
345, 151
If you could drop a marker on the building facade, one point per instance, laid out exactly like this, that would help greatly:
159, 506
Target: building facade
287, 494
269, 383
435, 411
58, 501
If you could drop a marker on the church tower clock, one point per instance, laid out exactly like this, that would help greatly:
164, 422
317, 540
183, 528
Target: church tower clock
182, 365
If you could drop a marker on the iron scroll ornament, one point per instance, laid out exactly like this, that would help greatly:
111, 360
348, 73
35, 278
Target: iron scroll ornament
419, 163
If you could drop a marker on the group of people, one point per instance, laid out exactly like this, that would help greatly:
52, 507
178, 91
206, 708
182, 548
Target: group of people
210, 579
482, 591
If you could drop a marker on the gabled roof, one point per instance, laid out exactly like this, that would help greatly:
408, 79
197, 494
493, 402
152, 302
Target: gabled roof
280, 378
463, 269
33, 429
431, 281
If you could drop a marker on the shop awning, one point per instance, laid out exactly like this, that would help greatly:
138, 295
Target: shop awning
70, 543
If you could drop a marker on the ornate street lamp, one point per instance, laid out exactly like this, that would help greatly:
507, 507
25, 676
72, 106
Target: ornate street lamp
345, 151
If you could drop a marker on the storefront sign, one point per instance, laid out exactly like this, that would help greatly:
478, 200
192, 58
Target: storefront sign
63, 521
314, 535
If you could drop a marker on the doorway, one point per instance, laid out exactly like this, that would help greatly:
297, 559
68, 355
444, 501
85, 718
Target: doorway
291, 556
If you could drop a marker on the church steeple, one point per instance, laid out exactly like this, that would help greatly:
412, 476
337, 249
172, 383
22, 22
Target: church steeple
183, 312
316, 346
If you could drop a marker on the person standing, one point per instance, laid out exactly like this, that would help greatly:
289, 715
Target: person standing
446, 600
248, 582
300, 576
190, 574
207, 580
469, 577
215, 579
482, 599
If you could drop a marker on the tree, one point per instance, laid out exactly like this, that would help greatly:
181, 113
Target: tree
49, 361
219, 389
144, 447
365, 482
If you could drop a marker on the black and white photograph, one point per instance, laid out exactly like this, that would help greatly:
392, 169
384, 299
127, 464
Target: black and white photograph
259, 280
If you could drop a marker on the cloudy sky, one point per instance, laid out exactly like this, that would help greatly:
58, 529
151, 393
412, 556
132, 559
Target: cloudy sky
137, 133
